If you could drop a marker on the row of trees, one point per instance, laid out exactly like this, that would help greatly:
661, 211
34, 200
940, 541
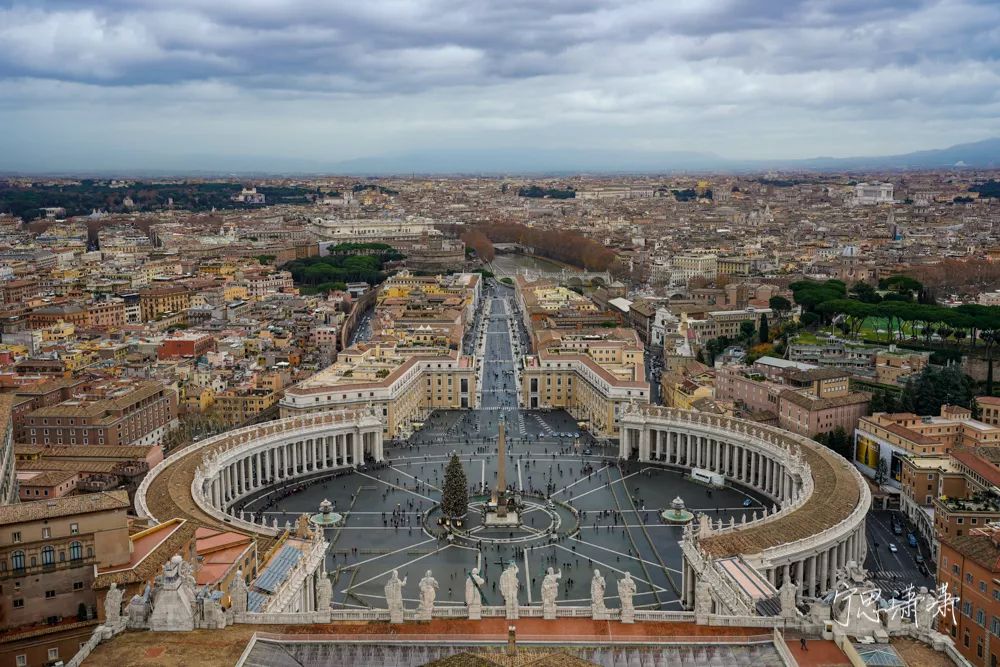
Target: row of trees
560, 245
479, 242
899, 306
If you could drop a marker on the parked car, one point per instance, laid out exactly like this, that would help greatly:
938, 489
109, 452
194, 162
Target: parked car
892, 548
919, 559
747, 502
912, 540
897, 529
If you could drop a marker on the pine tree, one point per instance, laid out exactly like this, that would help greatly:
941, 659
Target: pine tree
764, 333
455, 498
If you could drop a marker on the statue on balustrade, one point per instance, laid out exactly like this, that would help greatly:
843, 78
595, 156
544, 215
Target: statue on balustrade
474, 594
428, 591
113, 606
550, 590
626, 590
509, 586
324, 593
394, 597
597, 586
238, 593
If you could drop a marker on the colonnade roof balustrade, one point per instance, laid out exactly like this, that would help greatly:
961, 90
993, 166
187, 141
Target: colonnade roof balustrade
165, 493
838, 489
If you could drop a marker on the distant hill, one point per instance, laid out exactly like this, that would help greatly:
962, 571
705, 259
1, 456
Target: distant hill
531, 160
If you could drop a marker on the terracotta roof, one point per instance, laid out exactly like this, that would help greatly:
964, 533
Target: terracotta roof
815, 403
988, 400
46, 478
836, 493
150, 565
978, 548
51, 509
983, 460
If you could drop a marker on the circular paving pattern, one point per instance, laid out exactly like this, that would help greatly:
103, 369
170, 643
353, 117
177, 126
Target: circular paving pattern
600, 516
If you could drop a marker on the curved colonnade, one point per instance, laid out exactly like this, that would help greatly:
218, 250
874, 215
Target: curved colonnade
205, 481
817, 523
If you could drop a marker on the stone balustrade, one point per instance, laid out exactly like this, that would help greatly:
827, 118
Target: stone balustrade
238, 463
816, 526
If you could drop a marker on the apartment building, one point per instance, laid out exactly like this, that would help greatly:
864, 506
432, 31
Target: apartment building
989, 409
8, 478
404, 384
888, 437
591, 374
156, 301
115, 413
718, 323
969, 566
798, 397
49, 551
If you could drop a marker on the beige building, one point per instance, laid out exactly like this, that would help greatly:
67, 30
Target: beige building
591, 374
8, 479
404, 384
49, 551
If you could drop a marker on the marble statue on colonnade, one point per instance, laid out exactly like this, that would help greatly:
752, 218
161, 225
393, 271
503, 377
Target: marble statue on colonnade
428, 591
550, 590
509, 586
324, 593
474, 594
113, 606
597, 586
394, 597
626, 589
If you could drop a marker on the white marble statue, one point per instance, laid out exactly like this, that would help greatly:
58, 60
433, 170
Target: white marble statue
394, 597
428, 591
473, 594
113, 606
238, 594
509, 586
626, 589
597, 586
550, 590
324, 593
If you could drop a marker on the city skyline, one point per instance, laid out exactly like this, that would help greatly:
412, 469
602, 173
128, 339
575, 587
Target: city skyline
297, 87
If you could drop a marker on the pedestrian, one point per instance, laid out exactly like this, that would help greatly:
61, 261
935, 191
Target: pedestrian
802, 643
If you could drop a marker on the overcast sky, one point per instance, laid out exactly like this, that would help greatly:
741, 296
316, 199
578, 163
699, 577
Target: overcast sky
163, 83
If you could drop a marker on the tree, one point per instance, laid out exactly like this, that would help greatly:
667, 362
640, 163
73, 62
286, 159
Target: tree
838, 440
764, 333
747, 330
781, 306
934, 387
455, 497
881, 472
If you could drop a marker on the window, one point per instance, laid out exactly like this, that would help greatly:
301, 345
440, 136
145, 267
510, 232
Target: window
967, 609
75, 551
968, 577
74, 529
15, 536
21, 660
19, 603
17, 560
77, 585
982, 586
981, 617
49, 595
48, 556
54, 653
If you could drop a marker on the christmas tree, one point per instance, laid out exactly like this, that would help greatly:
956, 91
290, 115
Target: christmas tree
455, 498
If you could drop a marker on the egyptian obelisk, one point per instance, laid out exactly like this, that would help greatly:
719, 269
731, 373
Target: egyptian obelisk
501, 490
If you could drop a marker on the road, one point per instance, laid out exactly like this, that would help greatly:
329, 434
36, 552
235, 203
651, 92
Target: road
893, 571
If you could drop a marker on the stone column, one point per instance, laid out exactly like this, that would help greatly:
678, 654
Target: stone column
824, 565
